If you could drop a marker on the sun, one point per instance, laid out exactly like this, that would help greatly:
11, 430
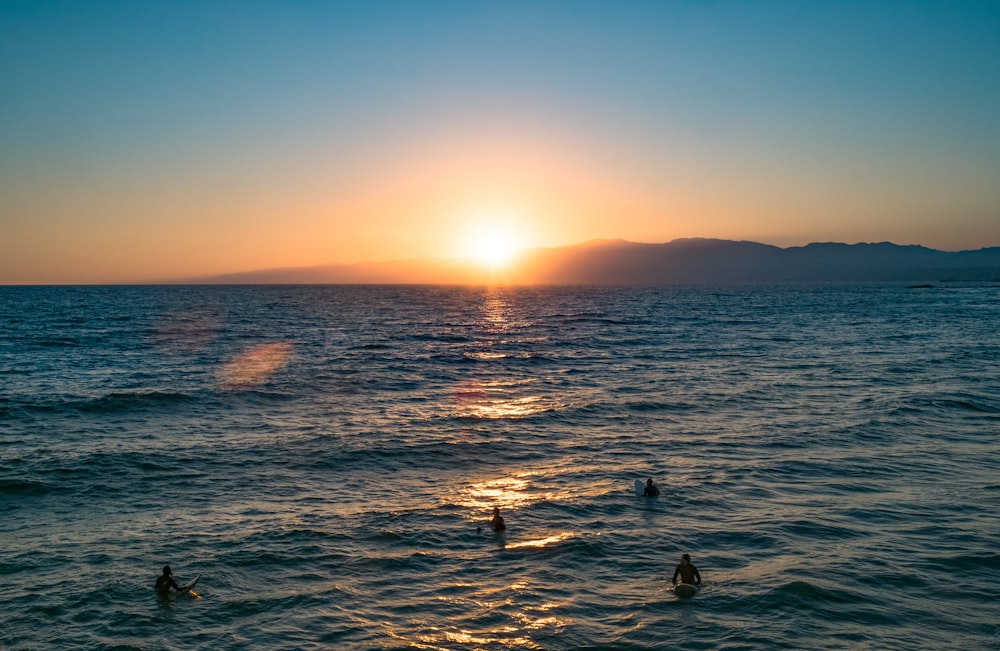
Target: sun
493, 247
492, 241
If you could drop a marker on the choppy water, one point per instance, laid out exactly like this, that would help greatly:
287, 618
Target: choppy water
322, 457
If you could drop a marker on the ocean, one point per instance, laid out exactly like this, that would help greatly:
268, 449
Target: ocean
326, 459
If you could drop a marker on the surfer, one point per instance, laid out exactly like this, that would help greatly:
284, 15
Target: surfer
688, 573
651, 489
497, 522
165, 582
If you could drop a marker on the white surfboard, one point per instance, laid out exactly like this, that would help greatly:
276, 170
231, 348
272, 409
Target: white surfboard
185, 588
188, 589
685, 590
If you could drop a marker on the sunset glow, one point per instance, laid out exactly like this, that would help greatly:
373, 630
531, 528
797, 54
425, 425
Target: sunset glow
398, 131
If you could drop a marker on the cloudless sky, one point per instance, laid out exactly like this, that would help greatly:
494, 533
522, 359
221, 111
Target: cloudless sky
154, 140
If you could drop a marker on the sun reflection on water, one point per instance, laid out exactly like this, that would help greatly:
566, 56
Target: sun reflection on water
540, 542
515, 491
518, 623
505, 492
496, 309
497, 399
501, 390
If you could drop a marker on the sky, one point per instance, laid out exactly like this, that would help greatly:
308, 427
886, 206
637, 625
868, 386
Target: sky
144, 141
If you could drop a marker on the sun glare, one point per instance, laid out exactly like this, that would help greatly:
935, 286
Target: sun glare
492, 242
493, 248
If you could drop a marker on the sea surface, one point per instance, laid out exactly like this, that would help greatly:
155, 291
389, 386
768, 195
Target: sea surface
326, 459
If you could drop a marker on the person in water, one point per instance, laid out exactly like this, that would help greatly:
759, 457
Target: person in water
165, 582
688, 573
651, 489
497, 522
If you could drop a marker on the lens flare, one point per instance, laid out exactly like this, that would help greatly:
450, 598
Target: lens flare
253, 366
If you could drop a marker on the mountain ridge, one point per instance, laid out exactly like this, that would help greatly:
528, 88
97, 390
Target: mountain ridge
680, 261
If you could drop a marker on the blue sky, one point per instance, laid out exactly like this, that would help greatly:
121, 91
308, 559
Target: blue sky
140, 139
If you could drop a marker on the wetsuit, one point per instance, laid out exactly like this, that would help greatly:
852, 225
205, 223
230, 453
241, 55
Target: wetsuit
688, 574
163, 584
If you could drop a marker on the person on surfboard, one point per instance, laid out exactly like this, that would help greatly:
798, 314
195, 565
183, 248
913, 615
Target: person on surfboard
497, 522
651, 490
165, 582
688, 573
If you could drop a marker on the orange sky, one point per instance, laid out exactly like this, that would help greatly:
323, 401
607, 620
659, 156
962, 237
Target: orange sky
407, 133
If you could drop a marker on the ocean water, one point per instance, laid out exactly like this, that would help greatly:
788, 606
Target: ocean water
326, 459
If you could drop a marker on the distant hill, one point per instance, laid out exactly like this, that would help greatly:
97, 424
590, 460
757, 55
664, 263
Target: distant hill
683, 261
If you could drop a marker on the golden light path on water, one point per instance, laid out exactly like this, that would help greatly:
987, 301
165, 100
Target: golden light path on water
504, 492
497, 399
510, 494
497, 390
511, 635
502, 396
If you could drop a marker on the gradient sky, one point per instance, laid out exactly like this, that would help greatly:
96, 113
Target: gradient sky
155, 140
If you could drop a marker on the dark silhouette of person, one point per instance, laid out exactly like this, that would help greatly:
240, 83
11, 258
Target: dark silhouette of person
165, 582
651, 489
497, 522
688, 573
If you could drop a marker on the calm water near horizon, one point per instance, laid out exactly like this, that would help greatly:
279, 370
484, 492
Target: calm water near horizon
326, 459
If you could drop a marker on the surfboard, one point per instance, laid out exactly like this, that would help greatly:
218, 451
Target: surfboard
685, 590
188, 589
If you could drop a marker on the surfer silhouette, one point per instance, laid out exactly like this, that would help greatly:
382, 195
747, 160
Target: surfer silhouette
651, 489
687, 571
165, 582
497, 522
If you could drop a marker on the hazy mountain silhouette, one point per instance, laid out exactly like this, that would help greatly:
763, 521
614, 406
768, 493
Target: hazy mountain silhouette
684, 261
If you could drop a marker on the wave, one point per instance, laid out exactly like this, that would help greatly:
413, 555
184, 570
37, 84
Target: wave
977, 404
400, 454
654, 406
23, 487
120, 401
583, 318
969, 565
60, 342
935, 404
798, 529
115, 402
443, 338
808, 594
